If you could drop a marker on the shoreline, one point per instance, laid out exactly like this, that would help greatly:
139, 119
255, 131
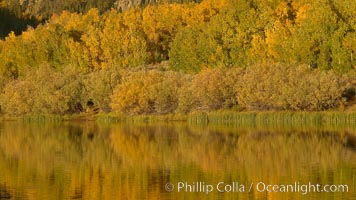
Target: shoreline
216, 117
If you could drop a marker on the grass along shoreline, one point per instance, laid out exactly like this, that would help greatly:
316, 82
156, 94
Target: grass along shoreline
266, 120
216, 117
268, 117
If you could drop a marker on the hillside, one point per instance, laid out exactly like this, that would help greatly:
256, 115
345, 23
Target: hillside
177, 58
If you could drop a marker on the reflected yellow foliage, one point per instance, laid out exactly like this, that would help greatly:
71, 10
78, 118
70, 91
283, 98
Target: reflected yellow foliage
108, 161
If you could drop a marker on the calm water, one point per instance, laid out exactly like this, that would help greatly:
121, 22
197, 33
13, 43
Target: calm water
118, 161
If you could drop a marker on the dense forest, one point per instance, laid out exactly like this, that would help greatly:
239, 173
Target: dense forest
17, 15
159, 57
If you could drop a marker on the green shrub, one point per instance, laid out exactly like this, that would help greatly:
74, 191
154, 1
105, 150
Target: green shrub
34, 94
287, 87
99, 86
211, 89
147, 92
44, 91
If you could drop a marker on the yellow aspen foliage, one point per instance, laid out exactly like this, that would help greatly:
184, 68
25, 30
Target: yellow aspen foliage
111, 37
259, 50
271, 42
91, 38
134, 43
122, 39
71, 21
133, 19
28, 35
203, 12
282, 36
282, 10
277, 38
81, 37
161, 23
301, 12
72, 28
13, 56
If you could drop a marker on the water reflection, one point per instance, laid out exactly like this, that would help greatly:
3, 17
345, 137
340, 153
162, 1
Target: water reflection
120, 161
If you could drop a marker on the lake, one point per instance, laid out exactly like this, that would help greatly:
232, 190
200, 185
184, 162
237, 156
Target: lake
89, 160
